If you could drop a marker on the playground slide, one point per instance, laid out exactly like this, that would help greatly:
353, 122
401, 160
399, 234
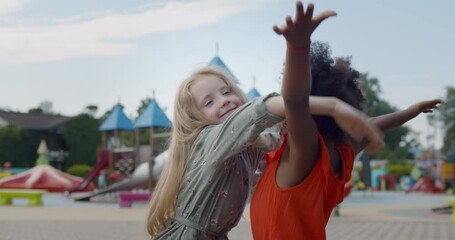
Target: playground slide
125, 184
424, 184
102, 164
443, 209
138, 178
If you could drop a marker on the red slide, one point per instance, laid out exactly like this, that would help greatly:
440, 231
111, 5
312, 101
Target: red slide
424, 184
103, 155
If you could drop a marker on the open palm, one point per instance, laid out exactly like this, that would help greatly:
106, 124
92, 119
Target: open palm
298, 31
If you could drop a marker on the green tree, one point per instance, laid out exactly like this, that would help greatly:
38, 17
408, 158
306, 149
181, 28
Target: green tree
35, 110
144, 103
90, 110
83, 139
447, 117
44, 107
10, 142
371, 90
19, 146
397, 143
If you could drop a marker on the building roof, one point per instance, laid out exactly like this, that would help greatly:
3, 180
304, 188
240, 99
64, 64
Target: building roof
32, 121
117, 120
253, 93
153, 116
217, 62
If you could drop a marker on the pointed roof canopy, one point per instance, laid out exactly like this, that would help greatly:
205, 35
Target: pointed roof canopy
152, 116
117, 120
253, 93
217, 62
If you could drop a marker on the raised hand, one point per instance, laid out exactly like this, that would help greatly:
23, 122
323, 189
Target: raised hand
298, 31
426, 106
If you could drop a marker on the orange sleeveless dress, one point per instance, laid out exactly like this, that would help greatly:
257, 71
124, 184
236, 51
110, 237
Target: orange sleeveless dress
302, 211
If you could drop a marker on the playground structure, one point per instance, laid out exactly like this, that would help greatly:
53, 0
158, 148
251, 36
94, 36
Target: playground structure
140, 177
428, 176
103, 162
121, 161
127, 171
437, 177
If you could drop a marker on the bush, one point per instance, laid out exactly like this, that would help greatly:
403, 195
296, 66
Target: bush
400, 169
359, 171
79, 170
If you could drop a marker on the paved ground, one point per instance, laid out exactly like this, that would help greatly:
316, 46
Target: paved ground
381, 215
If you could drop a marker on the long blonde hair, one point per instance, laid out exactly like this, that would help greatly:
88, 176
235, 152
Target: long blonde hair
188, 122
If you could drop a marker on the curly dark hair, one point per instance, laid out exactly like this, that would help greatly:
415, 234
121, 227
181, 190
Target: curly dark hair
335, 78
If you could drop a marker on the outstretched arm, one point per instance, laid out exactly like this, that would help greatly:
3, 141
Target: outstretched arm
396, 119
352, 121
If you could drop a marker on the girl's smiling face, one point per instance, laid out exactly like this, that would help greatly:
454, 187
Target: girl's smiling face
214, 98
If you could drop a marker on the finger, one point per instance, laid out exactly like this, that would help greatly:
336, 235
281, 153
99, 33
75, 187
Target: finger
277, 30
309, 13
434, 102
433, 107
299, 11
289, 22
323, 16
438, 101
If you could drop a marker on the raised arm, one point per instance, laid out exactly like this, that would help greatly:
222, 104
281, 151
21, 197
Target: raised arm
303, 142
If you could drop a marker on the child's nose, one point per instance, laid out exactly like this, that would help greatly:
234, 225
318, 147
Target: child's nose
225, 101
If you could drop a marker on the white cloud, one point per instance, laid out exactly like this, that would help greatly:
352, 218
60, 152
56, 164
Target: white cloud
9, 6
108, 34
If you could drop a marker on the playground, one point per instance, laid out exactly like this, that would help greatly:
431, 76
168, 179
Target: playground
110, 200
114, 205
376, 215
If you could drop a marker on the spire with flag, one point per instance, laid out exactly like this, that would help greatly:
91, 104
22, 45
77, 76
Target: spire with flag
153, 116
217, 62
117, 120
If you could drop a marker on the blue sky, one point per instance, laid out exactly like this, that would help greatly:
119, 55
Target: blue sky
77, 53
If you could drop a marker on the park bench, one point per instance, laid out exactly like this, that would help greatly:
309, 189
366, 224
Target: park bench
126, 198
33, 196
